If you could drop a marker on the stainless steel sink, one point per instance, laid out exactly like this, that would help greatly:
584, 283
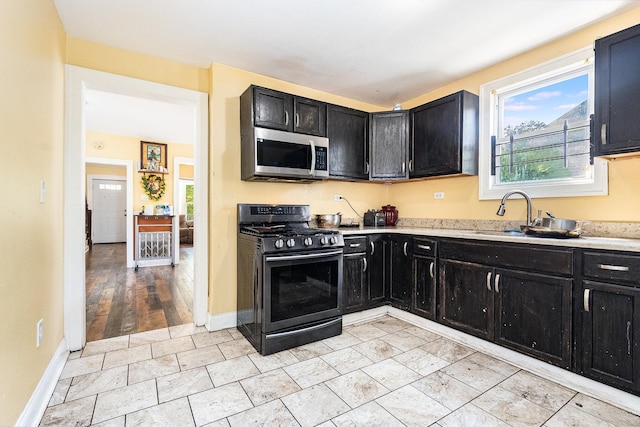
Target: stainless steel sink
500, 233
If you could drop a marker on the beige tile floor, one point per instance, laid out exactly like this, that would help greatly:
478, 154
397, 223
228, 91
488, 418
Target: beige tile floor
385, 372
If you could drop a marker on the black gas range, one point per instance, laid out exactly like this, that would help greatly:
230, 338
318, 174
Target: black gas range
289, 277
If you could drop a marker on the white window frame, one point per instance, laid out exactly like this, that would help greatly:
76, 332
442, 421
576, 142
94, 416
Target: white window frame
488, 188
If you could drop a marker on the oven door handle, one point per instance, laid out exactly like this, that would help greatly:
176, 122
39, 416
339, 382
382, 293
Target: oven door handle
307, 329
305, 256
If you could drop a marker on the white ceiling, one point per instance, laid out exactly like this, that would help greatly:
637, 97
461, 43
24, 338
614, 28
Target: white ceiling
379, 51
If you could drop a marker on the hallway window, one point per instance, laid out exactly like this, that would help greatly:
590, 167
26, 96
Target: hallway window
187, 199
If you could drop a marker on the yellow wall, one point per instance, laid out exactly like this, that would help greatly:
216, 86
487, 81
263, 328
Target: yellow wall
32, 51
461, 194
128, 148
227, 190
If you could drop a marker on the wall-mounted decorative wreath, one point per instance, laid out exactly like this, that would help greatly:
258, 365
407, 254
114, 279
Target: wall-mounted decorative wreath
154, 186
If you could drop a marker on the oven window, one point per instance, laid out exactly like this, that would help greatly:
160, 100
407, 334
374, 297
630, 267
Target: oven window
302, 289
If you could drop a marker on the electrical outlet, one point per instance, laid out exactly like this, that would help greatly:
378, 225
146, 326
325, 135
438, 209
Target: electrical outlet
337, 197
39, 327
438, 195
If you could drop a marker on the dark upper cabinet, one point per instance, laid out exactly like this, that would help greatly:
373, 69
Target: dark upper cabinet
272, 109
282, 111
347, 130
310, 116
444, 137
616, 127
388, 145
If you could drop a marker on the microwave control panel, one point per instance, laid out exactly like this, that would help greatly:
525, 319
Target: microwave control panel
321, 158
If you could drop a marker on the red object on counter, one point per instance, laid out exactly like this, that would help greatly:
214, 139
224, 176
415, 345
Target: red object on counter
390, 215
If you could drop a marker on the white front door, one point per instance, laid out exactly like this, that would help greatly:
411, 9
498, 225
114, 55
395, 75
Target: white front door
109, 216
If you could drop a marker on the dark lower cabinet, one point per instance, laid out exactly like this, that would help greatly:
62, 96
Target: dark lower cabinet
355, 278
466, 297
354, 284
528, 311
399, 274
611, 334
377, 263
533, 314
424, 278
609, 308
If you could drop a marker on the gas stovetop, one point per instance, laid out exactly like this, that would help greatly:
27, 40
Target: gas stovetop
284, 228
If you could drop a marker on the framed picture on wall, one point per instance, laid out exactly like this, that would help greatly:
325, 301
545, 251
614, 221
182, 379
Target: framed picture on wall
153, 156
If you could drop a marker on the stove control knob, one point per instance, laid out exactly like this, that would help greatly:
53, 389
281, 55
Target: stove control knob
323, 240
279, 244
308, 241
291, 243
333, 240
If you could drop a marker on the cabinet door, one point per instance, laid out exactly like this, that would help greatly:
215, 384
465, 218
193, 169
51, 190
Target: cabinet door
435, 139
466, 297
310, 117
388, 145
424, 287
533, 315
611, 334
400, 271
617, 90
272, 109
348, 149
377, 269
353, 282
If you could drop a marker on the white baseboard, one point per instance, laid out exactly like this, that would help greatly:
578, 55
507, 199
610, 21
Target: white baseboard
611, 395
221, 321
37, 404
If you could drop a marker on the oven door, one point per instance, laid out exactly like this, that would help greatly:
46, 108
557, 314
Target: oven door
301, 288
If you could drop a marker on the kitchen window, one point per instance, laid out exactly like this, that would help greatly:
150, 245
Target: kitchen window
535, 132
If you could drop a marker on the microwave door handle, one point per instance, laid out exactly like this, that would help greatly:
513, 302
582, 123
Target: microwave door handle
313, 157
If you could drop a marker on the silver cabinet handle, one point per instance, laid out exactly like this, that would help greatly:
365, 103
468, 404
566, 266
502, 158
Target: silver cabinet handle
297, 120
613, 267
405, 248
489, 280
286, 118
431, 269
425, 247
373, 248
629, 337
496, 283
403, 167
410, 165
364, 265
603, 133
366, 167
354, 245
585, 299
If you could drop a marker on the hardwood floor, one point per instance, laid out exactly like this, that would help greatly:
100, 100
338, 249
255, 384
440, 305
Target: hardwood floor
121, 301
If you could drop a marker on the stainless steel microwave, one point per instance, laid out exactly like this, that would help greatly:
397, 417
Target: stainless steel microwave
273, 155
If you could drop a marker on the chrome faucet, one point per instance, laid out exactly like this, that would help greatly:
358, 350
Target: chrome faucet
501, 209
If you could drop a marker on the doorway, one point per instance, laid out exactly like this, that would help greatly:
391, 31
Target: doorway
79, 81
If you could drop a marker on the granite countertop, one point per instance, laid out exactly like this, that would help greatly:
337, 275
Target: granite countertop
609, 243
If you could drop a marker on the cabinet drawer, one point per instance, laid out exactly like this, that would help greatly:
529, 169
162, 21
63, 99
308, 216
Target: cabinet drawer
156, 219
607, 265
355, 244
425, 247
542, 259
